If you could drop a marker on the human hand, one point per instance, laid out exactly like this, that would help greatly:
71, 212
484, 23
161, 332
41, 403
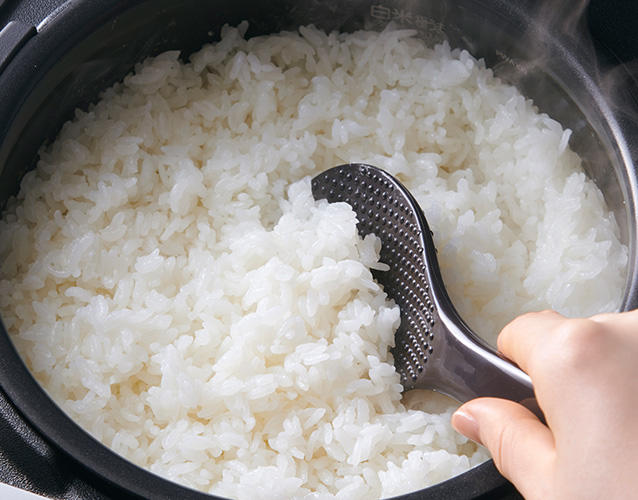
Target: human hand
585, 376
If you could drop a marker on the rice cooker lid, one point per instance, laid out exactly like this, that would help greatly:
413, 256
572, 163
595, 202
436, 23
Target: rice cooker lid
27, 460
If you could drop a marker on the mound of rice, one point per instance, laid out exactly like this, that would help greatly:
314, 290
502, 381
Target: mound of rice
171, 282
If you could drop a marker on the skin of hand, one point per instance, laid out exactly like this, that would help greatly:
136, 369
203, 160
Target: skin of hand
585, 377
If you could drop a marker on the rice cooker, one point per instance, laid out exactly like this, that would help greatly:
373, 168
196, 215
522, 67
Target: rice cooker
57, 55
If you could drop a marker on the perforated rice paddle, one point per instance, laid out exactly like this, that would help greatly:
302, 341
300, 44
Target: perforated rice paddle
434, 348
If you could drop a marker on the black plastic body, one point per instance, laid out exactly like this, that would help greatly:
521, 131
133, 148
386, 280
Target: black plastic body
85, 46
13, 36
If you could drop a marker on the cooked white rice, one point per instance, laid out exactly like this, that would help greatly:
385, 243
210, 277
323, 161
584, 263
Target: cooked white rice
173, 285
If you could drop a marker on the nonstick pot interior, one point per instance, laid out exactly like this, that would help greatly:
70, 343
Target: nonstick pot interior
86, 46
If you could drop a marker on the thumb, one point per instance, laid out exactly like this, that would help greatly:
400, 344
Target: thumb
521, 446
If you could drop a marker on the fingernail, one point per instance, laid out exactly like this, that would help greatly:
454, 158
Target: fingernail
466, 424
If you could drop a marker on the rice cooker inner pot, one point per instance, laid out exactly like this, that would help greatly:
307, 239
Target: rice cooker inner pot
83, 47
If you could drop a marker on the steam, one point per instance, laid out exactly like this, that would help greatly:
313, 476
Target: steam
619, 84
604, 119
569, 23
551, 31
569, 20
546, 49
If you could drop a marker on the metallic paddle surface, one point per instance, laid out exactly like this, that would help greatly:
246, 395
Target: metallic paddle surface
434, 347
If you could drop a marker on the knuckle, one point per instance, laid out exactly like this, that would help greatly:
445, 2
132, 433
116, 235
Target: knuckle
603, 317
515, 326
544, 313
548, 312
576, 344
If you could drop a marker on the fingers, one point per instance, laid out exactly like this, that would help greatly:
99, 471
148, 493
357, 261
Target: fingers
543, 331
561, 354
521, 446
522, 336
